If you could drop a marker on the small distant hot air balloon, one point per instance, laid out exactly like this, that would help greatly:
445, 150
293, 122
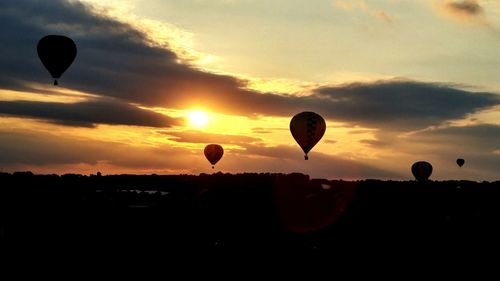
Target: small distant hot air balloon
213, 153
421, 170
57, 53
460, 162
307, 129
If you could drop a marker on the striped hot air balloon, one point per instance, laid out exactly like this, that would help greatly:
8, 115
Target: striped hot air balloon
307, 129
213, 153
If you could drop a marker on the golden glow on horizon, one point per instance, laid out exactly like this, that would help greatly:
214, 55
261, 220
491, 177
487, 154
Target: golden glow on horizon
198, 119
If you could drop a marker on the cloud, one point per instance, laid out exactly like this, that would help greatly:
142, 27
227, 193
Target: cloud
118, 61
363, 6
42, 151
283, 158
88, 113
359, 131
122, 67
200, 137
36, 150
484, 137
259, 130
375, 143
319, 164
477, 144
442, 146
400, 105
115, 60
383, 16
465, 7
39, 149
467, 11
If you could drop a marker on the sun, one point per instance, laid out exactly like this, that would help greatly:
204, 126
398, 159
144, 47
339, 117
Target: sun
198, 119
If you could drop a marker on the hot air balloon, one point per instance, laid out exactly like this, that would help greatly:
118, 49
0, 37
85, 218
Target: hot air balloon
421, 170
57, 53
307, 129
213, 153
460, 162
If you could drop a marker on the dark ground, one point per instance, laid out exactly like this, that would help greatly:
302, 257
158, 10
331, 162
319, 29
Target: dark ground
257, 212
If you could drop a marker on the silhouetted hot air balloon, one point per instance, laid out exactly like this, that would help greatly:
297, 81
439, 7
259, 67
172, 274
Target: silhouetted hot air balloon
213, 153
307, 129
57, 53
421, 170
460, 162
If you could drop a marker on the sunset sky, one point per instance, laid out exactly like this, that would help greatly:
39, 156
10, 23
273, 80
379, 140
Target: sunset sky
154, 81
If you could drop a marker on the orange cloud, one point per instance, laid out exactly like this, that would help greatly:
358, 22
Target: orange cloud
363, 6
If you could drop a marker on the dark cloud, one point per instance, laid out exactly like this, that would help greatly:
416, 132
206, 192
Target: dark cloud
200, 137
483, 137
400, 105
330, 141
87, 114
465, 7
466, 11
116, 60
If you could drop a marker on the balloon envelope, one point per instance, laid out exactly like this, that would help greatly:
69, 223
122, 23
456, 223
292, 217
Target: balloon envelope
460, 162
57, 53
307, 129
213, 153
421, 170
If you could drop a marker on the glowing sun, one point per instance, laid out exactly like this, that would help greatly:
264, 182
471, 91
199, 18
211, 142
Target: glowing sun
198, 119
